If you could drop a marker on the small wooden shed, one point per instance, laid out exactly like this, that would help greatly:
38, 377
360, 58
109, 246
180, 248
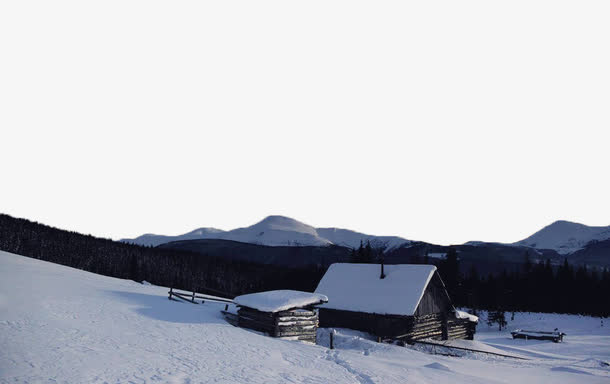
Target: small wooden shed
406, 302
284, 313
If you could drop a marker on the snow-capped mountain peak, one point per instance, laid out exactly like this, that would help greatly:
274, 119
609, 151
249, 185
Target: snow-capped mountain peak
280, 231
204, 231
283, 223
565, 237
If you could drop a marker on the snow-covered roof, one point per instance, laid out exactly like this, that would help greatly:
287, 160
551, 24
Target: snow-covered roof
466, 315
281, 300
357, 287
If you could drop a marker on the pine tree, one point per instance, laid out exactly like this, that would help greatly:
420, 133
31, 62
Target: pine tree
449, 270
497, 317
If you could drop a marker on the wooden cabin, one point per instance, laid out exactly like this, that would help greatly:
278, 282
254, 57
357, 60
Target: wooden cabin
404, 302
285, 313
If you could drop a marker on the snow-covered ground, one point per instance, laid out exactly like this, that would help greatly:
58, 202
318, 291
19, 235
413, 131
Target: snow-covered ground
61, 325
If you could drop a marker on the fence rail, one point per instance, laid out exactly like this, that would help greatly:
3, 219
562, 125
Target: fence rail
193, 297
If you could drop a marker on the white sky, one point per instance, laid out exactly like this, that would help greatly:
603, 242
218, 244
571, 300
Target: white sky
442, 121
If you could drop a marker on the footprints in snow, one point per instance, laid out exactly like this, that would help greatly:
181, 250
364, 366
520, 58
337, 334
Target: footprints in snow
361, 377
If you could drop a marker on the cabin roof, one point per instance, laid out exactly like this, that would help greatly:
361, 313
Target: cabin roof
358, 287
281, 300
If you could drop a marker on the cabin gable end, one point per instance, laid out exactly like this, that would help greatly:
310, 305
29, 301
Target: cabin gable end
435, 298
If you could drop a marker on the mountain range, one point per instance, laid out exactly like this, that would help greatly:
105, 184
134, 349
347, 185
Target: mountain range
566, 237
279, 231
583, 244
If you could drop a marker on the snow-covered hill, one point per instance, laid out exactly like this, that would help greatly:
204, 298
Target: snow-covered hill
154, 240
62, 325
279, 231
565, 237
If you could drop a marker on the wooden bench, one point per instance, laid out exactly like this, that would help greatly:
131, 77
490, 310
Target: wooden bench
554, 336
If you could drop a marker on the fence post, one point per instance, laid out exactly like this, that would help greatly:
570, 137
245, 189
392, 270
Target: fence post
193, 298
332, 340
226, 307
170, 293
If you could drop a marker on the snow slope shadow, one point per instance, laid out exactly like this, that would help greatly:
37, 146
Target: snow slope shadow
160, 308
570, 370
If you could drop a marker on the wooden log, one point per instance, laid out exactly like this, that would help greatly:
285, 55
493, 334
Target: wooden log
424, 335
213, 298
423, 329
292, 323
307, 329
296, 318
283, 334
303, 323
453, 329
463, 337
426, 331
245, 320
254, 313
458, 331
553, 338
256, 325
188, 300
184, 297
435, 336
431, 337
458, 335
257, 319
296, 313
427, 326
308, 339
427, 320
435, 326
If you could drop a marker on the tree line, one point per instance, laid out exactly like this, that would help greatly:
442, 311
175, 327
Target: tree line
165, 267
536, 287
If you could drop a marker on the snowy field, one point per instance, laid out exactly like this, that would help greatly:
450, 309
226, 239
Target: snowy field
61, 325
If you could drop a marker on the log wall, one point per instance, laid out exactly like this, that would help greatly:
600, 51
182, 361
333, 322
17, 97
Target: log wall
436, 326
300, 324
461, 329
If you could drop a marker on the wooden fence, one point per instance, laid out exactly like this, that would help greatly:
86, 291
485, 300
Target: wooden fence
193, 297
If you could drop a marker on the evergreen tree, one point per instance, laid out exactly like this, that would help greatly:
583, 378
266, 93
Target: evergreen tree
497, 317
449, 270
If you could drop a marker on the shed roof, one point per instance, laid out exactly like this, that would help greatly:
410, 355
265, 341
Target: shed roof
280, 300
358, 288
